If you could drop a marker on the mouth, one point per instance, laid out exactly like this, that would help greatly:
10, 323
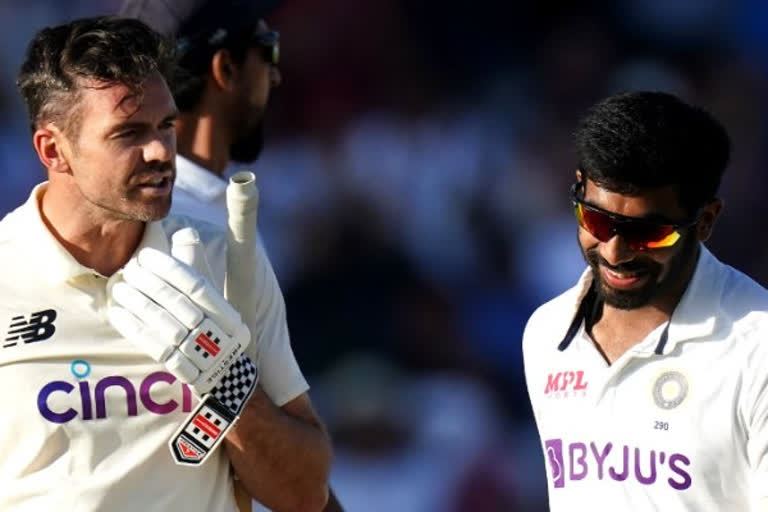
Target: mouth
158, 185
623, 280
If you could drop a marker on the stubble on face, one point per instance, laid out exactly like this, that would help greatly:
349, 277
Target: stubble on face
132, 206
662, 278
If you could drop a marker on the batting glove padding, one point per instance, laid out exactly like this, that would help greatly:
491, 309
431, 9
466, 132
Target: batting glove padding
178, 318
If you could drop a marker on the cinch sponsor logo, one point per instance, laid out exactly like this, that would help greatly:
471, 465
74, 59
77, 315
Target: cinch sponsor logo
560, 384
579, 461
93, 395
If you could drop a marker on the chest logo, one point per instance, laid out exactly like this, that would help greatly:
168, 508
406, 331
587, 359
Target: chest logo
39, 327
670, 389
565, 384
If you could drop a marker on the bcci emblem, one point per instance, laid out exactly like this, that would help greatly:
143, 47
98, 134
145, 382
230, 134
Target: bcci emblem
670, 389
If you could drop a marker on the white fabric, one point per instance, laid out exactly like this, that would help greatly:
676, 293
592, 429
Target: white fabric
678, 431
88, 415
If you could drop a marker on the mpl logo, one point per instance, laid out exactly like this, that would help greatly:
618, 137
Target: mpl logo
566, 384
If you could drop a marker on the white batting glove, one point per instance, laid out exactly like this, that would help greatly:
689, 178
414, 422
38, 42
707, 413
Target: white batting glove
170, 311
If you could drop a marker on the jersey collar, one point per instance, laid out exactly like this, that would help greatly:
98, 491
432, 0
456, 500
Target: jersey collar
56, 264
198, 181
695, 314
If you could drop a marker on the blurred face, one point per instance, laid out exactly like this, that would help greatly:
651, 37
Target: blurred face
627, 278
256, 78
122, 159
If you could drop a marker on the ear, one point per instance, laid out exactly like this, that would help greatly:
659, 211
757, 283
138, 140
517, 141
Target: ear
223, 70
50, 143
707, 219
579, 176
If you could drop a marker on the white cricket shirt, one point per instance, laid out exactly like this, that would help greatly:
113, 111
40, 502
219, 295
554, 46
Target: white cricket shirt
87, 415
678, 423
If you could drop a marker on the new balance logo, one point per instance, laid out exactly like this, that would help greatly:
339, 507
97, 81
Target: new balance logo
39, 327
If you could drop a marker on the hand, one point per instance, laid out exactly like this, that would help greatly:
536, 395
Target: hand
170, 311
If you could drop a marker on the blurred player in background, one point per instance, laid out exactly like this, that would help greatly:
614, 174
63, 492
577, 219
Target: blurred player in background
227, 65
648, 378
111, 338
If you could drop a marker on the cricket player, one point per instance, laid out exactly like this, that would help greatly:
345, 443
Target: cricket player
649, 378
126, 368
227, 60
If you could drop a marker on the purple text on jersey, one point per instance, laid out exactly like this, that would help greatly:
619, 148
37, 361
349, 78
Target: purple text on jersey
619, 465
99, 396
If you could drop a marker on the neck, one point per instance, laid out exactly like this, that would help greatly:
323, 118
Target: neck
103, 244
201, 138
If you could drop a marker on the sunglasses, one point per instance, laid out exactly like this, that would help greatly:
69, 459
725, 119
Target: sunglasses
639, 234
269, 42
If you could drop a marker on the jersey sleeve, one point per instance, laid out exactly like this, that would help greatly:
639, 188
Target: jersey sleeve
530, 334
754, 414
279, 373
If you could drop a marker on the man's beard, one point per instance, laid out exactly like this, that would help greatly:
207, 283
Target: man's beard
653, 288
247, 148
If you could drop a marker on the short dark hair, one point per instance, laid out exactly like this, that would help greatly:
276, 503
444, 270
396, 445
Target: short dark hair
193, 66
108, 49
638, 140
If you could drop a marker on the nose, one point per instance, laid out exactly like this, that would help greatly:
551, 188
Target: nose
161, 148
275, 77
616, 251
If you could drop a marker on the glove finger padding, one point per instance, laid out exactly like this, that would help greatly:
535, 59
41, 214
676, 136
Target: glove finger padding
145, 323
168, 297
173, 314
189, 282
139, 334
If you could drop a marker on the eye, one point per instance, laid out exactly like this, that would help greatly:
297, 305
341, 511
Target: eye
125, 134
169, 124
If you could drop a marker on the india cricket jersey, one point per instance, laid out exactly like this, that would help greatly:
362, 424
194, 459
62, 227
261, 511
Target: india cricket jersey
678, 423
87, 416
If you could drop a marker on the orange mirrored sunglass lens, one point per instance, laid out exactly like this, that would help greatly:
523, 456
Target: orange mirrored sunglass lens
638, 235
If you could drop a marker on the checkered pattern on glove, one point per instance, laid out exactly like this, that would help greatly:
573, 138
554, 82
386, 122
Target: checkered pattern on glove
237, 386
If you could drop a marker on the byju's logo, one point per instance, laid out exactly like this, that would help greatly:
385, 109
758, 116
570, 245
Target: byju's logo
578, 461
554, 452
565, 384
39, 327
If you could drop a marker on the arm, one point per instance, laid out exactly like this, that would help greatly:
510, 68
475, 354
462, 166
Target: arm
281, 455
